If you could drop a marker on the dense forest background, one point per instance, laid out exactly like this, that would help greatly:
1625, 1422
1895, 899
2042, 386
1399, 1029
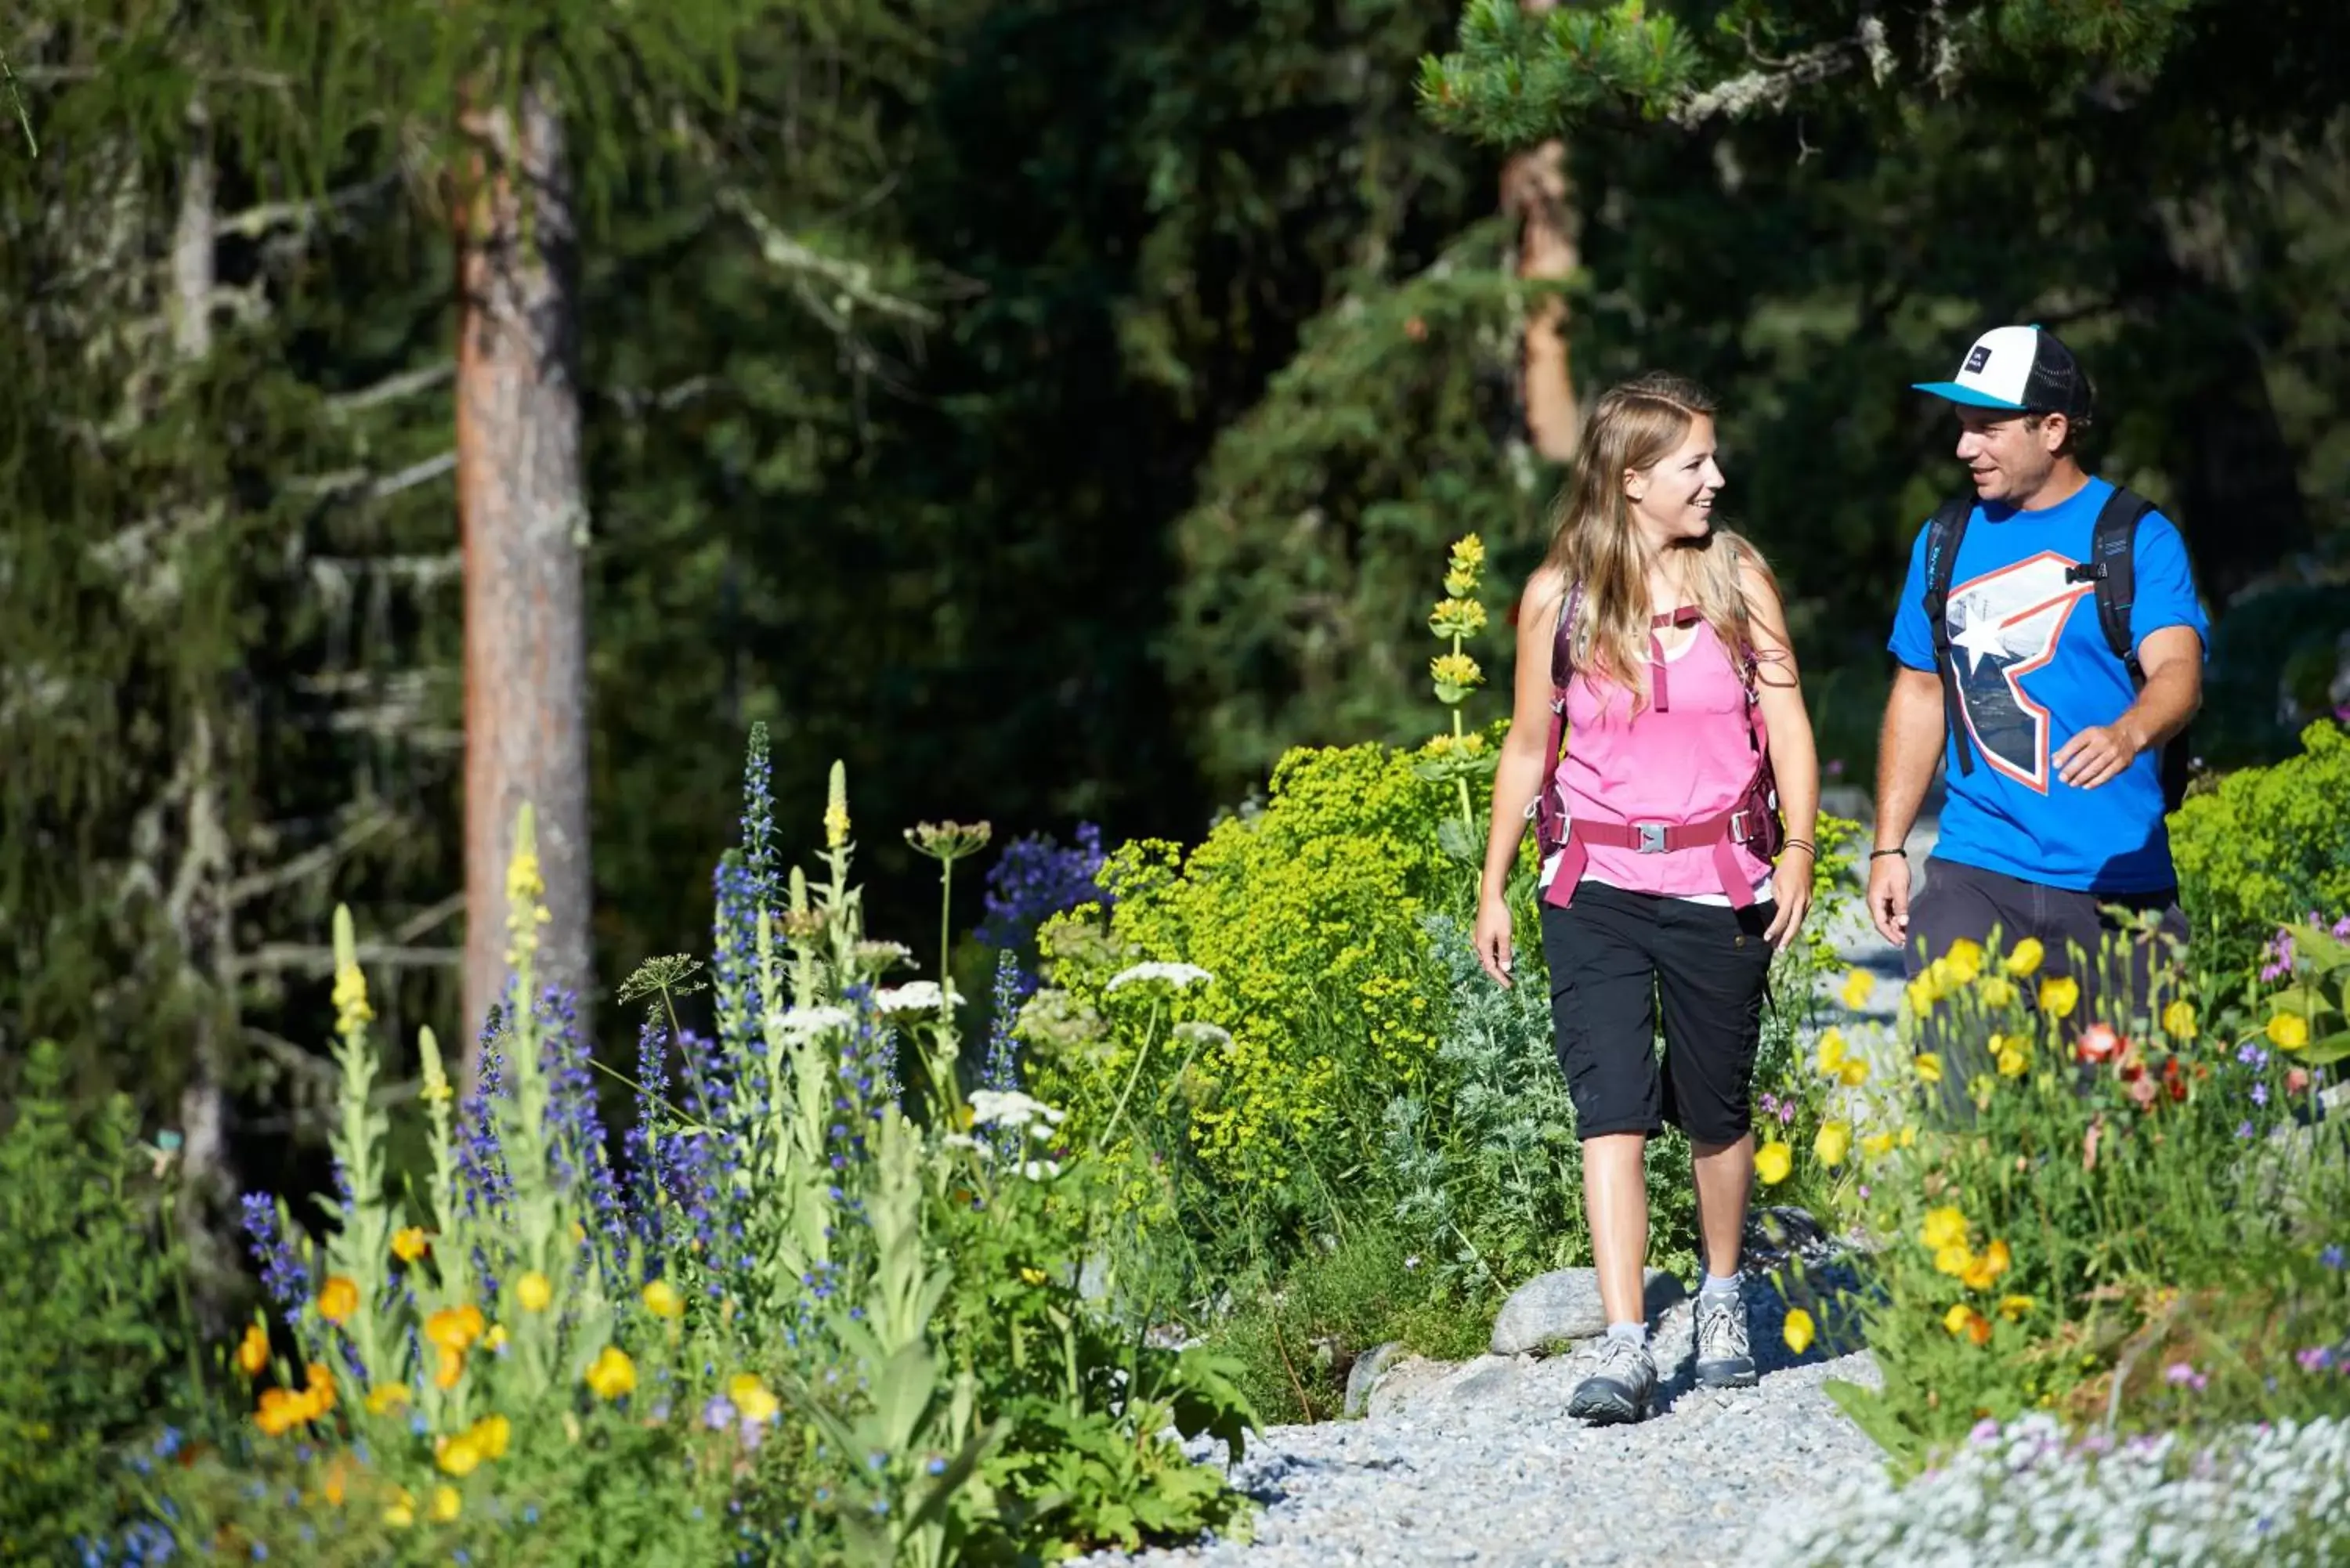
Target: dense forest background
1054, 408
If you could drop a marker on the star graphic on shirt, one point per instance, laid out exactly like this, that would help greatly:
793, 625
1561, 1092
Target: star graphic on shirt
1982, 637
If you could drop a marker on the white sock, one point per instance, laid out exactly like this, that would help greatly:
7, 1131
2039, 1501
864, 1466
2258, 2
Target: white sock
1636, 1333
1718, 1285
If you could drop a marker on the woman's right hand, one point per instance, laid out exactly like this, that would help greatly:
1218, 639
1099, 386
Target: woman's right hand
1491, 937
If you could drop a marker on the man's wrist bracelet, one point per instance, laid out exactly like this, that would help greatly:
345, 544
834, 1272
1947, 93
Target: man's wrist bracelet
1881, 853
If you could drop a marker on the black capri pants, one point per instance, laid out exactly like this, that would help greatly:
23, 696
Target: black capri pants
1615, 957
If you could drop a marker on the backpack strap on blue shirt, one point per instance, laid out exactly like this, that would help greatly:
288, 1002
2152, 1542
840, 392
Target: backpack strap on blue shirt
2112, 566
1943, 535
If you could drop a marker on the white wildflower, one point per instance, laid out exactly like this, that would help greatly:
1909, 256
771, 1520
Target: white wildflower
1182, 976
959, 1140
1041, 1170
800, 1022
914, 996
1011, 1108
1200, 1031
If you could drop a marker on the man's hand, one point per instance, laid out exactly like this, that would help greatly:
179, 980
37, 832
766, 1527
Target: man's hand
2097, 755
1888, 899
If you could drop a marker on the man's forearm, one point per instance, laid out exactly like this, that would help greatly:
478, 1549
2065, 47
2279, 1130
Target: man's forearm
2168, 700
1909, 748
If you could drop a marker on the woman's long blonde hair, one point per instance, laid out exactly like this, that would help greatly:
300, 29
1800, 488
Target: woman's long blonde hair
1635, 426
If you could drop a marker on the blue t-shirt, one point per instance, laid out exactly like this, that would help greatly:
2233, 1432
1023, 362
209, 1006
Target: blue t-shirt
2033, 670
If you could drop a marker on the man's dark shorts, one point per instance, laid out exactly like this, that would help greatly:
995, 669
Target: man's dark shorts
2081, 935
1613, 957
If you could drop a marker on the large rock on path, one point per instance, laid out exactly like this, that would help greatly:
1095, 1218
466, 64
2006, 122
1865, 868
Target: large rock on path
1552, 1312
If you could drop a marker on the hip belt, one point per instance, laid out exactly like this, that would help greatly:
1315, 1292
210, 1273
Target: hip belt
1717, 834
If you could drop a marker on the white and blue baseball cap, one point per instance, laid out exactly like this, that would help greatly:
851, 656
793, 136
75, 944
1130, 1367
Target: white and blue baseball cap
2025, 369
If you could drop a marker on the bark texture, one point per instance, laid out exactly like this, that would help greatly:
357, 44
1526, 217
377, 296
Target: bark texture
524, 518
1536, 191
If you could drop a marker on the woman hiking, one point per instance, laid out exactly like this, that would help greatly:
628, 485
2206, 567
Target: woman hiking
1658, 644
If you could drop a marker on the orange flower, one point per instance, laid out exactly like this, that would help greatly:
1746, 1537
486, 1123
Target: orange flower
409, 1244
321, 1389
452, 1367
252, 1350
455, 1328
331, 1486
2098, 1042
338, 1299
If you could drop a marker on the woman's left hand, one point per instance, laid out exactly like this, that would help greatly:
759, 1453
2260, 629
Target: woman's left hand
1791, 887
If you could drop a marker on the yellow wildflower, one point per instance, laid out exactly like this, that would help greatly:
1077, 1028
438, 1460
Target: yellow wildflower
835, 824
532, 1292
387, 1396
1457, 617
1798, 1330
338, 1299
401, 1512
458, 1455
455, 1328
1772, 1161
1943, 1227
1032, 1276
2008, 1052
1859, 985
1852, 1073
1908, 1136
1455, 671
495, 1338
446, 1503
1468, 552
2024, 957
753, 1399
1928, 1065
449, 1369
662, 1300
491, 1435
1877, 1146
2288, 1032
351, 997
1832, 1051
1834, 1142
2059, 994
2012, 1307
2178, 1020
1953, 1259
1962, 1319
407, 1243
1923, 992
1965, 960
1997, 990
252, 1350
611, 1374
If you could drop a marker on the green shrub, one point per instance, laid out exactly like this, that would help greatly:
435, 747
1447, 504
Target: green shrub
84, 1299
2265, 847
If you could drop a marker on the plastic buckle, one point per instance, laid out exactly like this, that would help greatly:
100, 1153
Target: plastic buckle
1652, 837
1738, 834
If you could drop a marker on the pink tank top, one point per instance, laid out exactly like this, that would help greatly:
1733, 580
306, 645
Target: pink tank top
1687, 762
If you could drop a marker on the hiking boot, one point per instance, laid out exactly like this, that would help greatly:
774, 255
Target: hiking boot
1619, 1387
1723, 1360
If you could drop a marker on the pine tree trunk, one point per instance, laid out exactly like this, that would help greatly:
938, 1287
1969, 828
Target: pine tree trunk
524, 519
1535, 190
196, 902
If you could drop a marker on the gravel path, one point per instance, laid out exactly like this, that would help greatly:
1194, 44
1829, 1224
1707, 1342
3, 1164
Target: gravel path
1478, 1462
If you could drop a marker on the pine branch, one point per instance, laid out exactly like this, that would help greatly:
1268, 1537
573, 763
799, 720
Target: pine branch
391, 388
852, 281
304, 216
309, 863
317, 957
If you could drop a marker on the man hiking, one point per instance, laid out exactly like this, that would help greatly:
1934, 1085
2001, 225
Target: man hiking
2050, 647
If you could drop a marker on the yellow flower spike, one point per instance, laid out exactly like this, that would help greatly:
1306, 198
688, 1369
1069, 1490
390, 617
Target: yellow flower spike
2059, 995
458, 1455
524, 887
1798, 1331
2288, 1032
2024, 958
835, 806
1468, 552
2178, 1020
1457, 617
1859, 985
351, 997
1929, 1066
408, 1243
1997, 990
1832, 1051
1852, 1073
611, 1374
252, 1350
446, 1503
532, 1292
1455, 672
338, 1299
1944, 1226
662, 1300
1834, 1142
1773, 1162
1965, 960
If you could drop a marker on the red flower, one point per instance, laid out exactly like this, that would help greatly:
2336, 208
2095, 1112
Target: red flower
2098, 1042
2296, 1080
2143, 1090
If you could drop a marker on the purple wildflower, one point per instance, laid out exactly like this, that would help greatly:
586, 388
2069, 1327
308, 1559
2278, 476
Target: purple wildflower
283, 1273
2260, 1093
1033, 879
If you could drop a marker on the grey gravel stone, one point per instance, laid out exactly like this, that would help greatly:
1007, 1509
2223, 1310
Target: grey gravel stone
1364, 1374
1551, 1310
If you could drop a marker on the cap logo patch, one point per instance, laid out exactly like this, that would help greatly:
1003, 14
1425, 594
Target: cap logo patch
1977, 357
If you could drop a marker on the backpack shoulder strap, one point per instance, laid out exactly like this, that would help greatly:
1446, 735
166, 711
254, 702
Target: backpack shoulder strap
1944, 532
1562, 642
2112, 563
